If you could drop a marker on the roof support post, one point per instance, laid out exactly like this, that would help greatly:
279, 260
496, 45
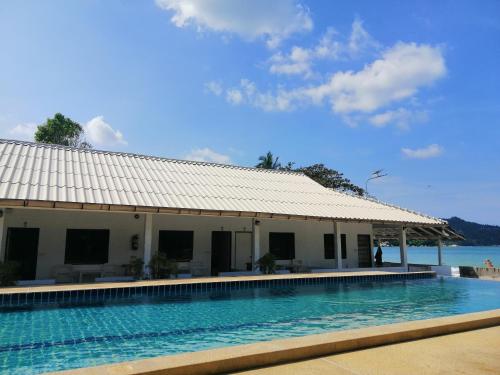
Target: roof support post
403, 247
440, 255
2, 225
148, 241
255, 243
338, 245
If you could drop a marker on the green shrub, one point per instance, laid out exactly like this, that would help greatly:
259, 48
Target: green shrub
9, 273
135, 267
161, 267
267, 263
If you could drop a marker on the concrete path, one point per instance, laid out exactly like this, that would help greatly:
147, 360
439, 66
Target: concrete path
474, 352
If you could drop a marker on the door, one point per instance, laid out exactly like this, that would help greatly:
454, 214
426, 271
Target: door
243, 251
364, 251
221, 252
22, 247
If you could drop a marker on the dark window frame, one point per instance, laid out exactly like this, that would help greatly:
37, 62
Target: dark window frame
329, 245
343, 244
75, 242
275, 242
173, 251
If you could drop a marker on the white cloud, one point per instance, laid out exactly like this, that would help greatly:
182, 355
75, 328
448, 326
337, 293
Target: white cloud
330, 47
430, 151
234, 96
360, 40
247, 93
214, 87
400, 117
397, 75
24, 132
100, 133
297, 62
207, 154
272, 21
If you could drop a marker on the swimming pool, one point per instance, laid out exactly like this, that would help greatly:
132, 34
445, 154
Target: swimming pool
50, 337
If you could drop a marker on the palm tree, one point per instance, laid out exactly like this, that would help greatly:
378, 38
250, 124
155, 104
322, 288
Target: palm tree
268, 161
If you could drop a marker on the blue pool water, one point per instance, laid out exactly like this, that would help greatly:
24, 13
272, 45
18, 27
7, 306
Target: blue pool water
40, 339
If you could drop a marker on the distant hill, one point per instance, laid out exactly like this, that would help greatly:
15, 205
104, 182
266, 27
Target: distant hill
475, 234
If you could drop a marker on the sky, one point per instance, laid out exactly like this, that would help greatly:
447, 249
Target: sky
411, 87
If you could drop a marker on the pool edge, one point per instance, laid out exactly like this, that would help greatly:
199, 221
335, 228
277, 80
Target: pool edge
267, 353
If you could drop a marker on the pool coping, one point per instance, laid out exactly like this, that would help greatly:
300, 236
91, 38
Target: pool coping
267, 353
197, 280
102, 293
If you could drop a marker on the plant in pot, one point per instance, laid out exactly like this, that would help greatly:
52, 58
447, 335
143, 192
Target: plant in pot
267, 263
161, 267
135, 267
9, 273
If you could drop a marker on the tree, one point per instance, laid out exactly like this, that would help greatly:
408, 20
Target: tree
330, 178
268, 161
61, 130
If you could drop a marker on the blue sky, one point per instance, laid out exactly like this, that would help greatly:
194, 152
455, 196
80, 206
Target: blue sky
411, 87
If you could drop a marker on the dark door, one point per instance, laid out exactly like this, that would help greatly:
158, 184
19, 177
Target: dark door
22, 247
221, 252
364, 251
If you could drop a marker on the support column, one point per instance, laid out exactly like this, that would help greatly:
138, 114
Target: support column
403, 247
148, 241
255, 243
2, 224
440, 256
338, 245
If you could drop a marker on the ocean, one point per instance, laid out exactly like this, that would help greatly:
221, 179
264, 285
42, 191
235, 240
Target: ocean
452, 256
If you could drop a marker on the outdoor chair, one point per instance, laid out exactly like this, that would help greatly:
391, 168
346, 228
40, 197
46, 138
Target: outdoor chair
64, 273
111, 270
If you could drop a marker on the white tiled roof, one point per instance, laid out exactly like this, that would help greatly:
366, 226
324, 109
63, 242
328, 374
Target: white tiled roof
40, 172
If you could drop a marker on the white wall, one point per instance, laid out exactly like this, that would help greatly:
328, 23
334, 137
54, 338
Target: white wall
309, 246
202, 227
352, 230
54, 223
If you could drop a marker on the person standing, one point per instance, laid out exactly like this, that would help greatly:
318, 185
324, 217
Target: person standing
378, 257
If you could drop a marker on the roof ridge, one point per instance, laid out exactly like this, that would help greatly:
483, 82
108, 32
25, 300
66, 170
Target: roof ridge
143, 156
376, 200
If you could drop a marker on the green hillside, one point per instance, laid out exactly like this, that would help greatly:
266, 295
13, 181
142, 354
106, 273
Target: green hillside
475, 234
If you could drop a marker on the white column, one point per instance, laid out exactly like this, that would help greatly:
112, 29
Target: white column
148, 241
2, 224
256, 243
403, 247
338, 245
440, 256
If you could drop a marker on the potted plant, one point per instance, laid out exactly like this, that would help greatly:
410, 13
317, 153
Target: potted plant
267, 263
9, 273
160, 267
135, 267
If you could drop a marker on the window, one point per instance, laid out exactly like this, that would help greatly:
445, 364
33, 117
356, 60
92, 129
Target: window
87, 246
282, 245
329, 240
177, 245
343, 244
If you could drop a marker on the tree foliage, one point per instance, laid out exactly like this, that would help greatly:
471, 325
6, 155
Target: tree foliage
61, 130
268, 161
329, 178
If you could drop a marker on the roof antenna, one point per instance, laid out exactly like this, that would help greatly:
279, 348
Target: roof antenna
379, 173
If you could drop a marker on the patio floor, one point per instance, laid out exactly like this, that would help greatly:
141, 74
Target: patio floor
473, 352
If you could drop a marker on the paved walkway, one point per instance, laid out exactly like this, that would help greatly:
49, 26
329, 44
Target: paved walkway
474, 352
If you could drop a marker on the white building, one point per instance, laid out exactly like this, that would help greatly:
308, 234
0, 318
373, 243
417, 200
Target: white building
91, 211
